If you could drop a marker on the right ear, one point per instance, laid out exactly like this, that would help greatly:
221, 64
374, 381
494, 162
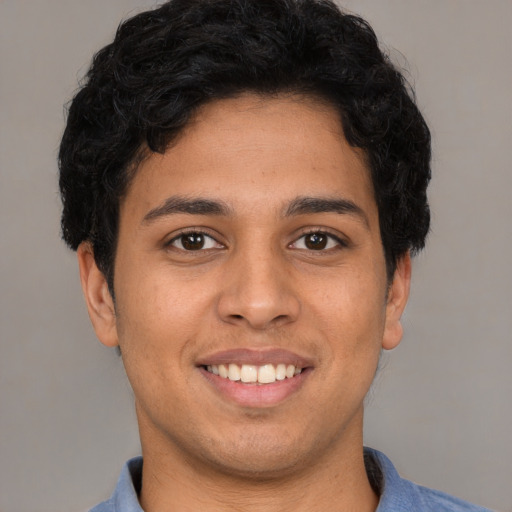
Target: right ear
97, 296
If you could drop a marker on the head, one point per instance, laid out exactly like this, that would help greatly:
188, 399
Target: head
144, 87
249, 177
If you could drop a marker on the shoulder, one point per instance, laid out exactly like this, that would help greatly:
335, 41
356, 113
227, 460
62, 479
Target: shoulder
105, 506
400, 495
124, 498
432, 500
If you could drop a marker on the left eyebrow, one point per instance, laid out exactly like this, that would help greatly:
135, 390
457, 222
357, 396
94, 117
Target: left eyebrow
307, 205
191, 206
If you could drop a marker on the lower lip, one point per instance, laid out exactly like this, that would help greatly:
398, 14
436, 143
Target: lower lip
256, 395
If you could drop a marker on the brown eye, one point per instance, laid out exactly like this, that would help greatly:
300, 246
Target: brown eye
194, 241
316, 241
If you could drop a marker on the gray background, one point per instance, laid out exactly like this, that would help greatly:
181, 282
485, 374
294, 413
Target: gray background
441, 408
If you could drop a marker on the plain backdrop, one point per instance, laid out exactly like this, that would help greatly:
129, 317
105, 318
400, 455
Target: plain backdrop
441, 408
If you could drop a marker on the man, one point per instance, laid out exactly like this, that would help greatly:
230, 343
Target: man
244, 182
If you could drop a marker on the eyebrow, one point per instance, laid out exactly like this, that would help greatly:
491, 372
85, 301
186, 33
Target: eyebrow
181, 204
307, 205
299, 206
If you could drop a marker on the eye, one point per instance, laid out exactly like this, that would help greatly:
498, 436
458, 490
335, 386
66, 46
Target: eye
317, 241
194, 241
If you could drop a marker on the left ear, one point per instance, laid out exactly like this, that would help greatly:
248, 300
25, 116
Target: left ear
398, 293
97, 296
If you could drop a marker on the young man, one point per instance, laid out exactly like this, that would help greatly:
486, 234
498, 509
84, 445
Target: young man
244, 182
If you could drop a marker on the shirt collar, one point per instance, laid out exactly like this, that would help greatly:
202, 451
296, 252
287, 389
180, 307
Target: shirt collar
396, 494
125, 497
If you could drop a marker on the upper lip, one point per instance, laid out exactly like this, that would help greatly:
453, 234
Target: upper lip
255, 357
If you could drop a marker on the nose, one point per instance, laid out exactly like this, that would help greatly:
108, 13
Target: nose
258, 292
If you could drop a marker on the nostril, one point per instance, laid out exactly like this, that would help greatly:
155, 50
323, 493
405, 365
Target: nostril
256, 308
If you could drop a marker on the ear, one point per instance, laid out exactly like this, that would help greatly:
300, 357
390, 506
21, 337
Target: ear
398, 293
97, 296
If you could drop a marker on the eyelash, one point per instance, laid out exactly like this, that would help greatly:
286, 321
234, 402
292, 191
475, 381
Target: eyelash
341, 243
330, 237
191, 231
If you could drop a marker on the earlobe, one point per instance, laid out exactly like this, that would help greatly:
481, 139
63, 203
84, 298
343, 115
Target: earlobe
97, 296
398, 294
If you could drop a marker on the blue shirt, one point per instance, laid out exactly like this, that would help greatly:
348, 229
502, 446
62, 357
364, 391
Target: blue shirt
396, 494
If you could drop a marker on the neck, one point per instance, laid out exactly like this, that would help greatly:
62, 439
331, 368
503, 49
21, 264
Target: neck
336, 480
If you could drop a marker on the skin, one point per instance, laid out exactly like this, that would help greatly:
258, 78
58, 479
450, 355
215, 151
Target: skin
255, 285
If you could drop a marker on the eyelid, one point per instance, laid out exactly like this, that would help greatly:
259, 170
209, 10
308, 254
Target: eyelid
338, 238
189, 230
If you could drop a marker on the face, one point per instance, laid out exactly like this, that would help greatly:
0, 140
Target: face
251, 293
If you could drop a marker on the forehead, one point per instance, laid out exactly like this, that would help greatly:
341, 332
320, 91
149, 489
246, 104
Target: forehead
250, 148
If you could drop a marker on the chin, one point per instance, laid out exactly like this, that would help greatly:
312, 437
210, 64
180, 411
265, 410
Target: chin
257, 457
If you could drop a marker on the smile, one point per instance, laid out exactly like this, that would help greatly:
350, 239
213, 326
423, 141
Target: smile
256, 378
254, 374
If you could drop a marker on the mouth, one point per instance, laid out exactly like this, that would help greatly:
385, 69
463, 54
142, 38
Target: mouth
254, 374
256, 378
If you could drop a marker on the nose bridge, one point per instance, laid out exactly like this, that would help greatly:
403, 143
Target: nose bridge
257, 288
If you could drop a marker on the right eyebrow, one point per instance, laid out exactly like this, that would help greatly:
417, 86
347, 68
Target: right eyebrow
304, 205
192, 206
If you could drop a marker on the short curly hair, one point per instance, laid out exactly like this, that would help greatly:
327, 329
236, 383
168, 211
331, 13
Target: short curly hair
142, 89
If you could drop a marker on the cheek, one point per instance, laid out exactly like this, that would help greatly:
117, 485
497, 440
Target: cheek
160, 318
351, 304
155, 299
350, 314
156, 337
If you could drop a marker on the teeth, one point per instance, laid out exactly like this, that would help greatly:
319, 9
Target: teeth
249, 373
234, 372
267, 374
223, 370
280, 372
